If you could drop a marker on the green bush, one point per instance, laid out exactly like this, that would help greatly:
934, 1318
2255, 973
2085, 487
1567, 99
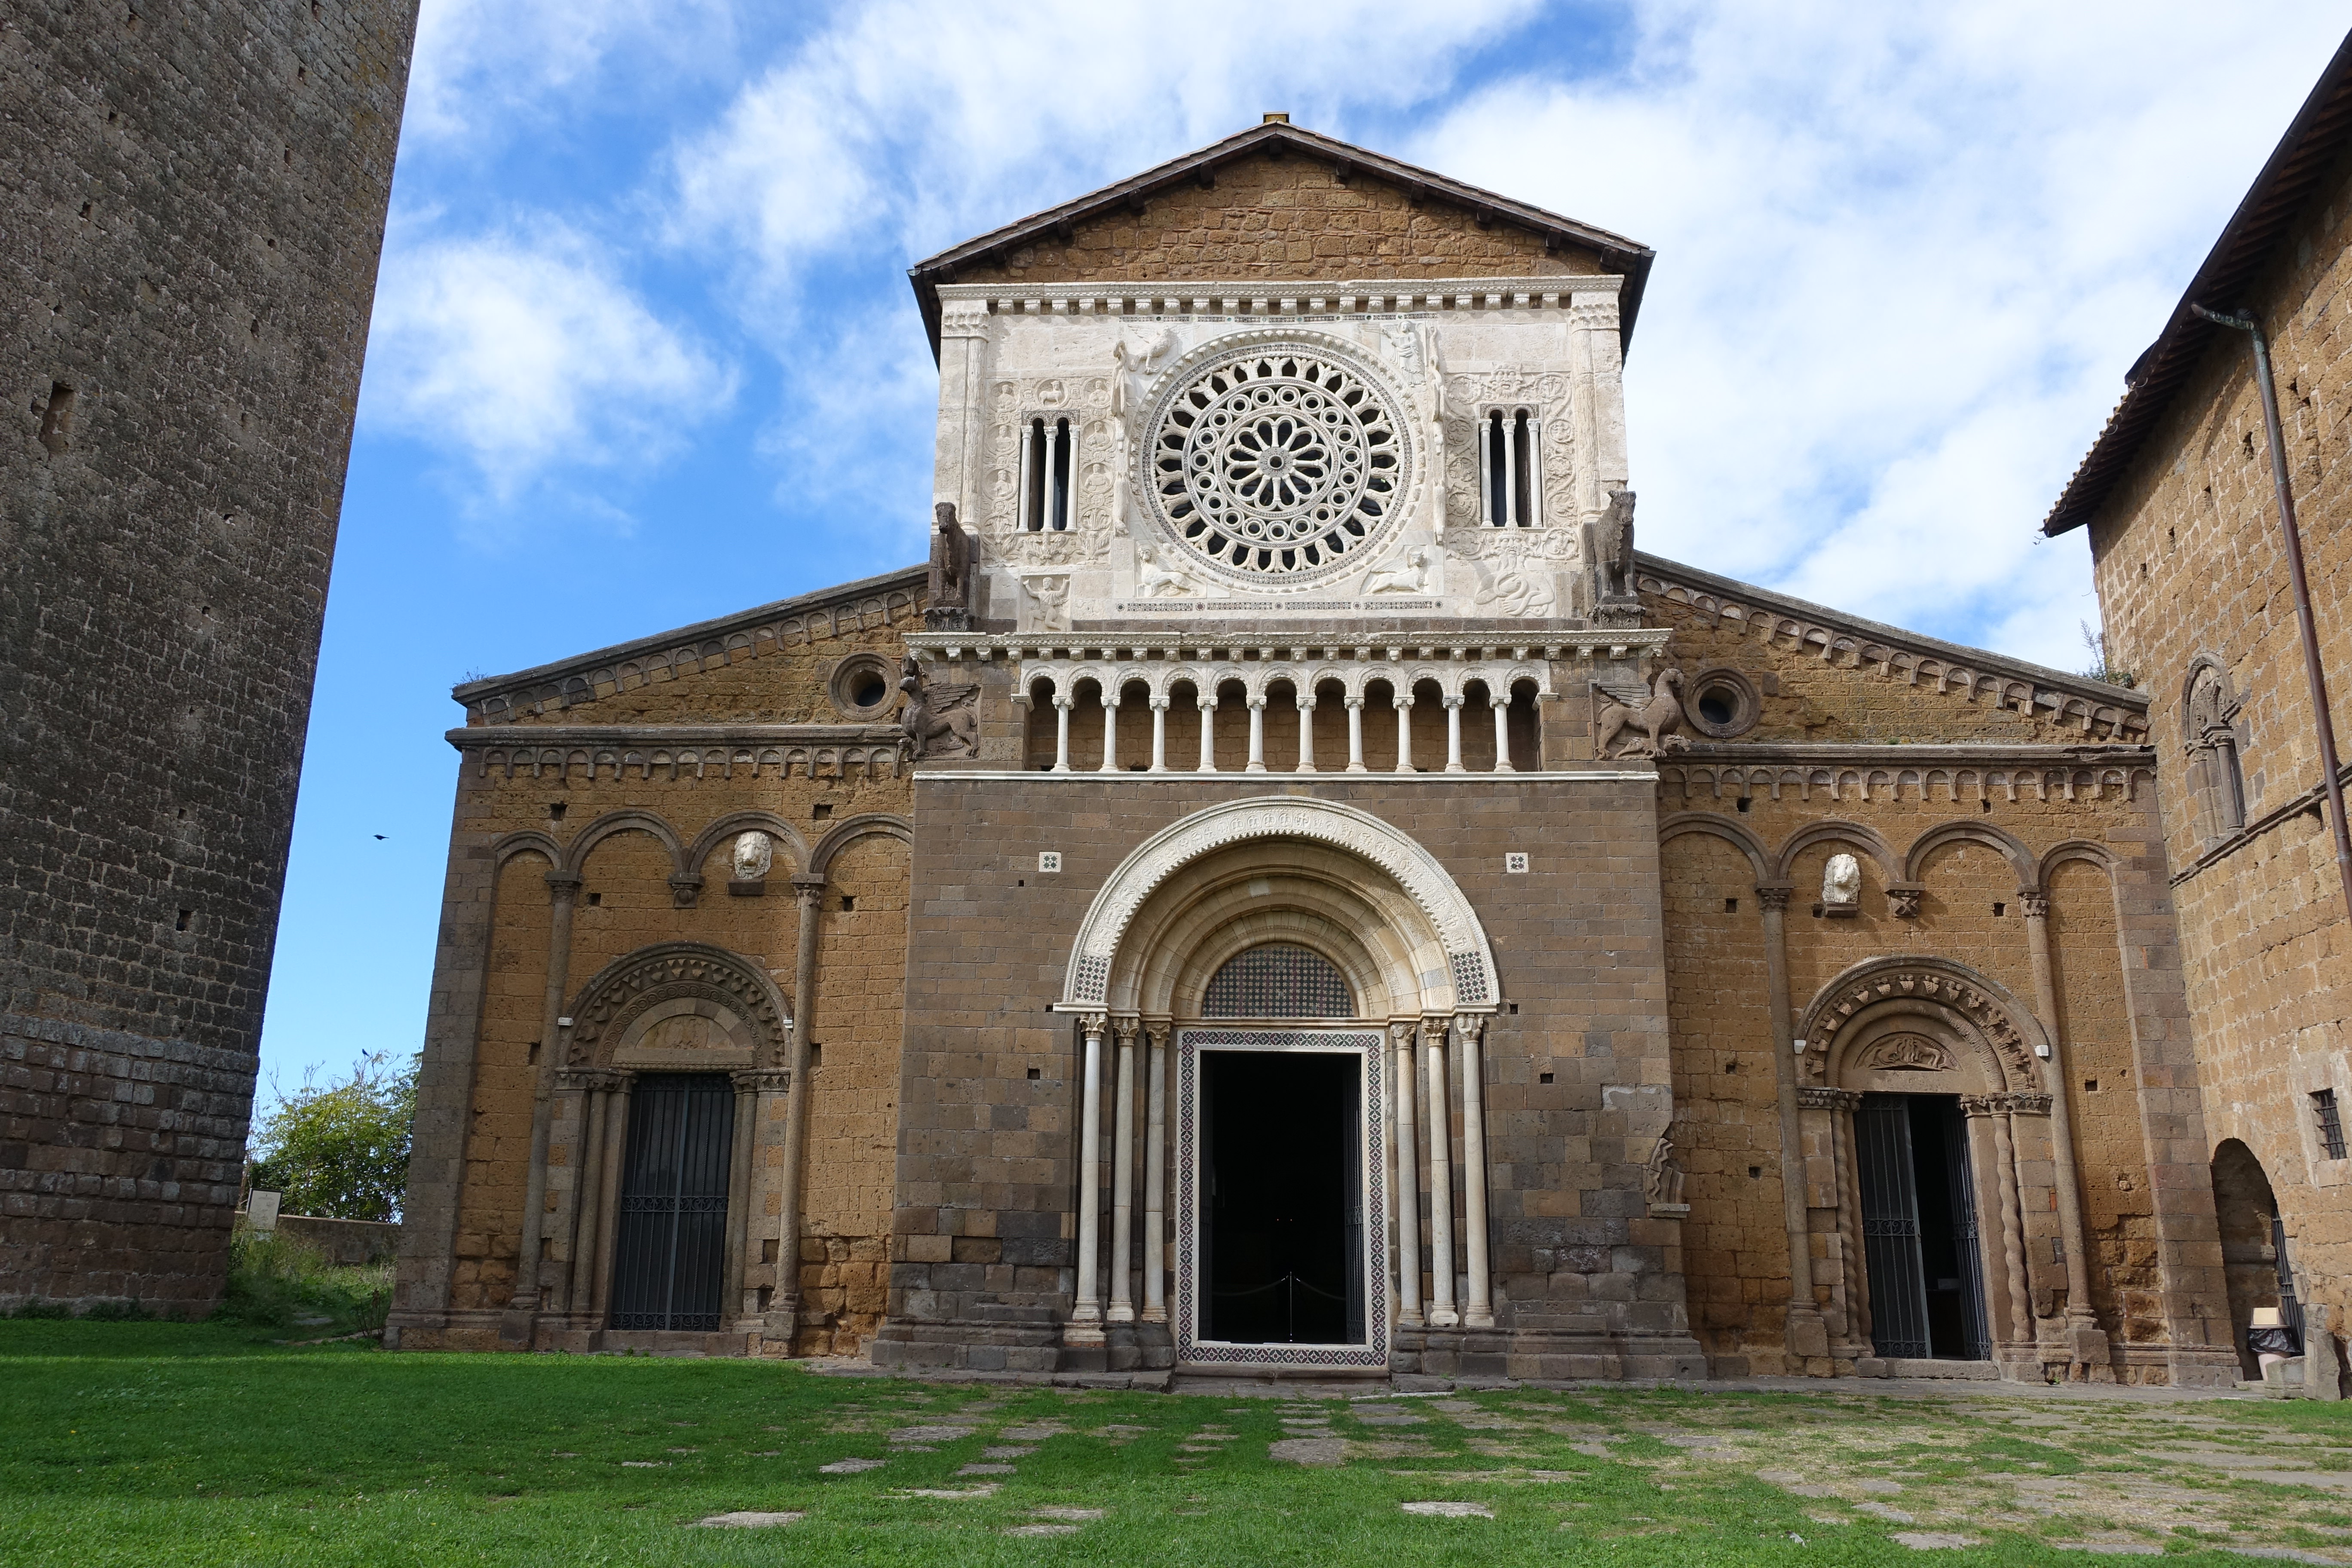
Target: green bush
340, 1151
278, 1282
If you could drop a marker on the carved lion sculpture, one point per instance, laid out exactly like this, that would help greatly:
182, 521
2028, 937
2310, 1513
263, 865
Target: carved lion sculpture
1842, 881
939, 720
754, 853
1650, 726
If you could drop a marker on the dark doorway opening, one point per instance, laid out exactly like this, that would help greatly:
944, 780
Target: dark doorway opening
2255, 1267
671, 1249
1920, 1228
1283, 1250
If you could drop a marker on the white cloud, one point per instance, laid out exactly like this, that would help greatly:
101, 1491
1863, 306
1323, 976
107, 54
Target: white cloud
1904, 256
483, 65
521, 351
905, 126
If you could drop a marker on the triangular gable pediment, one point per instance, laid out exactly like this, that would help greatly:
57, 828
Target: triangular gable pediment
1280, 202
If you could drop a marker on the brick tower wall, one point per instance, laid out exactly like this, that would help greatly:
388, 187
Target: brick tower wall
194, 203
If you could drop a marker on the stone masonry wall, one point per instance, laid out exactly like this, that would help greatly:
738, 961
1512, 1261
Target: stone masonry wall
983, 1251
2190, 563
1285, 218
2154, 1274
463, 1234
194, 201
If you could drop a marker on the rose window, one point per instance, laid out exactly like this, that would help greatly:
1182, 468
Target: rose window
1277, 462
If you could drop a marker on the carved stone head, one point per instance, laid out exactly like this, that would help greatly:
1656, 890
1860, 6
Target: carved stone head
1841, 881
754, 853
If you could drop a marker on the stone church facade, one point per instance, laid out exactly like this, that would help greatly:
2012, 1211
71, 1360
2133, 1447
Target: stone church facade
1288, 886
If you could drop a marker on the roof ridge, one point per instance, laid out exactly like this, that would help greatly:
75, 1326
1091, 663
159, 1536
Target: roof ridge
2083, 686
554, 678
925, 275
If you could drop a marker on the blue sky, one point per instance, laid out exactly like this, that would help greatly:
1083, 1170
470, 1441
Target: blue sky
644, 350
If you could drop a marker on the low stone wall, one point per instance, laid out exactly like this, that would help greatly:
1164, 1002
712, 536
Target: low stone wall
347, 1241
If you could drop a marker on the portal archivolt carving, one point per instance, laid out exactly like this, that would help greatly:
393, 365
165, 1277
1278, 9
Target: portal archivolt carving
1976, 1010
629, 988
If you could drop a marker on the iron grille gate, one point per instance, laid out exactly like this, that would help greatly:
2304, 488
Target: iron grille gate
672, 1245
1904, 1142
1890, 1227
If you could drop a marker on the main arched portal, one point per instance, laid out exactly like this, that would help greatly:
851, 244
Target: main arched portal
1294, 972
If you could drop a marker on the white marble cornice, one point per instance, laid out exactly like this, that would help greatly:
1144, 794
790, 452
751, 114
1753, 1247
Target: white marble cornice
1595, 294
1320, 645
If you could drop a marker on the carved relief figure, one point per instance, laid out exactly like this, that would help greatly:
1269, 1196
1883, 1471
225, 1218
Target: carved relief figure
1413, 346
1906, 1053
1411, 576
1130, 392
1613, 547
754, 853
1647, 729
939, 720
1153, 580
1052, 591
1662, 1178
1841, 882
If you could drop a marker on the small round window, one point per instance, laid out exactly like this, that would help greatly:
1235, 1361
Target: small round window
1722, 703
861, 685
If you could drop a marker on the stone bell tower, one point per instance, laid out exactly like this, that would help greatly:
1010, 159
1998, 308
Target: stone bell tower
194, 203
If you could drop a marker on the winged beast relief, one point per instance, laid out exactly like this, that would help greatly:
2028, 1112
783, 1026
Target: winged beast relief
939, 720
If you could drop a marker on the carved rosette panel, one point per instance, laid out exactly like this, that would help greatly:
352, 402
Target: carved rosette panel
628, 987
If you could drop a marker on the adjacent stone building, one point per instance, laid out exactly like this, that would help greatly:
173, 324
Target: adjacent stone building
2193, 576
1290, 887
193, 202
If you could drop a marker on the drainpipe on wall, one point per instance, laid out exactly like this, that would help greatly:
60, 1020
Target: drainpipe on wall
2322, 724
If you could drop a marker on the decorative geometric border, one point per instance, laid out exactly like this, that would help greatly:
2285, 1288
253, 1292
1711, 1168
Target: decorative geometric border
1190, 1348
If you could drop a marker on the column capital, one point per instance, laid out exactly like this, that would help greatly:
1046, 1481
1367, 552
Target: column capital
2036, 902
1400, 1033
1095, 1025
763, 1080
683, 888
1433, 1030
562, 886
1160, 701
1257, 700
1125, 1031
1454, 700
1469, 1029
1205, 700
808, 887
1774, 896
1355, 701
1401, 700
1499, 700
1064, 699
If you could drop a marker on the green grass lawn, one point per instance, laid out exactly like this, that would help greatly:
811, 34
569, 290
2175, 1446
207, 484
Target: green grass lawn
168, 1444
